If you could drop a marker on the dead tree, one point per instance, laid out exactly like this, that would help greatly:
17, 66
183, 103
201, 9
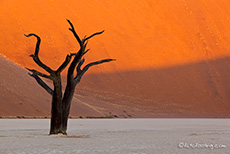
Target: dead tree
61, 103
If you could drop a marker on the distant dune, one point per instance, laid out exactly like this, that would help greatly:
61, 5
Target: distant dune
173, 57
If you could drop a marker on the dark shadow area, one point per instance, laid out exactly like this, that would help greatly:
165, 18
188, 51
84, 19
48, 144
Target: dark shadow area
195, 90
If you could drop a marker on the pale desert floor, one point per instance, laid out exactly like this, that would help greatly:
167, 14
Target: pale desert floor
137, 136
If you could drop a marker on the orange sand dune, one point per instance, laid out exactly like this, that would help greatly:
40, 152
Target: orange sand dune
172, 56
139, 34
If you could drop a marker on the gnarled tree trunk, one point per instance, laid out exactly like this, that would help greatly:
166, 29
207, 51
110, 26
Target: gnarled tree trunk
61, 103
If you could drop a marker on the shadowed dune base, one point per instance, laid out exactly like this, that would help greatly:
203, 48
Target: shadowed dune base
194, 90
19, 93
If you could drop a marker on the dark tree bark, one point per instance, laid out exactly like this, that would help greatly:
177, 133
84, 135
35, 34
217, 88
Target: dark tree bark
61, 103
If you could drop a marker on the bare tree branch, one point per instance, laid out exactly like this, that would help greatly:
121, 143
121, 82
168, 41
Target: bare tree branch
35, 55
79, 65
86, 51
42, 83
39, 73
75, 33
85, 43
97, 33
96, 63
73, 65
37, 44
78, 55
82, 72
65, 63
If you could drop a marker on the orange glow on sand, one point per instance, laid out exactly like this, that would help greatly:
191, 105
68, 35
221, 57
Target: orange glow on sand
139, 34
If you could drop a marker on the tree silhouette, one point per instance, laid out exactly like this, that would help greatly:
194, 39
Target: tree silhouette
61, 103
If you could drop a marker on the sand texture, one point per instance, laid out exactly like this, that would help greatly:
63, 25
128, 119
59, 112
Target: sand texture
123, 136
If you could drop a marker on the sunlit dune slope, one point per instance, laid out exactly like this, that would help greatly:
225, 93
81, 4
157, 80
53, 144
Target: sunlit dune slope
139, 34
172, 55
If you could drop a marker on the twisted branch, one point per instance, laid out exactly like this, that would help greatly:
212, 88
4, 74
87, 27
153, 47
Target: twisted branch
97, 33
75, 33
65, 63
78, 69
35, 55
80, 72
42, 83
39, 73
